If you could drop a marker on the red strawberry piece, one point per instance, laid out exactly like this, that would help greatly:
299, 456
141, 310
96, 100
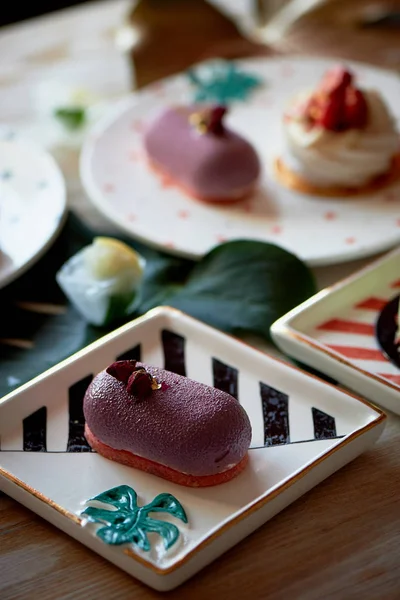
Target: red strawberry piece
331, 115
336, 105
327, 106
335, 81
356, 109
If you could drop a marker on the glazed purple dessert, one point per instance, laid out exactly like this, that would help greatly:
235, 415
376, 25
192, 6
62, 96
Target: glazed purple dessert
166, 424
192, 148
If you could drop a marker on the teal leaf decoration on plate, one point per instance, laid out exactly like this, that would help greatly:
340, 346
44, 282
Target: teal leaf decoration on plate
128, 523
222, 82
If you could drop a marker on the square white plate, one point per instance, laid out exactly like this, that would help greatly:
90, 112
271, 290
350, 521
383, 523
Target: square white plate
334, 331
303, 431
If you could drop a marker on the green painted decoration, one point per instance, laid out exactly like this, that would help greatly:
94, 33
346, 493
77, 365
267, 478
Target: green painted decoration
72, 118
222, 82
129, 523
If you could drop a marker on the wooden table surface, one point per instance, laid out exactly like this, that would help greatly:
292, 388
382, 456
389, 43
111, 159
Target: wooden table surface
339, 541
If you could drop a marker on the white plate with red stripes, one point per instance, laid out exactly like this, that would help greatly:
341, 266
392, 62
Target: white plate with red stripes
339, 332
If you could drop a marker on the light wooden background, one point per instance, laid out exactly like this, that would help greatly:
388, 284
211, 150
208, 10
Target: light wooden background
339, 542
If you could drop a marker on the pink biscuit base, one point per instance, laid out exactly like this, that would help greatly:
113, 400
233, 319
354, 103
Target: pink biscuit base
148, 466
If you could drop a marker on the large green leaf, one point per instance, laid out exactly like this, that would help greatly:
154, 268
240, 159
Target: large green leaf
239, 286
54, 337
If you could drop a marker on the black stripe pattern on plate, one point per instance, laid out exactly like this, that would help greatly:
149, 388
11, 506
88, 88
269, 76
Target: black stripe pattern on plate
174, 352
225, 378
76, 436
275, 407
134, 353
35, 431
324, 425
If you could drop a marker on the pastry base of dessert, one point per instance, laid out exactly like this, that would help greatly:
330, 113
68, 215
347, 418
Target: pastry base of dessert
168, 181
293, 181
137, 462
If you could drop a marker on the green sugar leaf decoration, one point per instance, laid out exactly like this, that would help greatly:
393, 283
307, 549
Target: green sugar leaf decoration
128, 523
73, 118
222, 82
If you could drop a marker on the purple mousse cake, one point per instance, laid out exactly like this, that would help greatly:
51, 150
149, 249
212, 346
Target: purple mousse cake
189, 146
166, 424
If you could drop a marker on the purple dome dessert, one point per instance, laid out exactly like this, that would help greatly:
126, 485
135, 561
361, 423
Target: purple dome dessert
166, 424
191, 147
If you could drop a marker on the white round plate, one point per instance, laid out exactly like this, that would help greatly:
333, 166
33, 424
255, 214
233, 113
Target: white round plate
321, 231
32, 204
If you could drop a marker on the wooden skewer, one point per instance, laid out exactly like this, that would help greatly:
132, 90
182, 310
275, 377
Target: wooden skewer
17, 343
42, 307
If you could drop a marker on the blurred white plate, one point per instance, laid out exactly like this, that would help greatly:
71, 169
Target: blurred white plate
303, 431
32, 204
321, 231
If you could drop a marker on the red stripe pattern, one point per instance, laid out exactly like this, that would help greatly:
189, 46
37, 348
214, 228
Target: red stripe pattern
354, 351
372, 303
347, 327
392, 378
359, 353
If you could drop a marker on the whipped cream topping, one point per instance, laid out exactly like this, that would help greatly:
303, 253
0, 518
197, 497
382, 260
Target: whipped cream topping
350, 158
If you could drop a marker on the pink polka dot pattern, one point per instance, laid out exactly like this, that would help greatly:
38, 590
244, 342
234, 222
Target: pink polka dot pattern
138, 126
287, 70
158, 89
134, 155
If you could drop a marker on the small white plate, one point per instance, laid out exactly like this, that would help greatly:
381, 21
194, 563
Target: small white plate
303, 431
321, 231
32, 204
334, 331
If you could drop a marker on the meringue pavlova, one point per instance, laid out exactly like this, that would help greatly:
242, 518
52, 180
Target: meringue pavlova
338, 139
